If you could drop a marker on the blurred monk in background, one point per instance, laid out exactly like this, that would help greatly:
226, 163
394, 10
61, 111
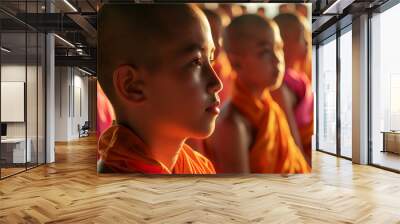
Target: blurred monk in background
295, 95
252, 133
158, 76
302, 11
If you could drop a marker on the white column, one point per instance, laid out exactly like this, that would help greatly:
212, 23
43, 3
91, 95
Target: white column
50, 93
360, 90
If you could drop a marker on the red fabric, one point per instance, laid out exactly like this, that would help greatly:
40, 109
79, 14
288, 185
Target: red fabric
304, 110
105, 112
301, 86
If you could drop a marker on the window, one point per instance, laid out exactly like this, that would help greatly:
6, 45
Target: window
327, 96
22, 93
346, 93
385, 89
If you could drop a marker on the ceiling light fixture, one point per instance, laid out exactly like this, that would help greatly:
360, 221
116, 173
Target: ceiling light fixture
70, 5
337, 7
84, 71
65, 41
5, 50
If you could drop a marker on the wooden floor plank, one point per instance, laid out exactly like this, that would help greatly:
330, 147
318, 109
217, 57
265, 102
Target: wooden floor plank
70, 191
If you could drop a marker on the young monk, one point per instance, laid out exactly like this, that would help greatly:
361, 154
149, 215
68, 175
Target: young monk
305, 66
252, 134
220, 65
302, 9
297, 100
155, 67
261, 11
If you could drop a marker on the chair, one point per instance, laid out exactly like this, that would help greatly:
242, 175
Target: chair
84, 130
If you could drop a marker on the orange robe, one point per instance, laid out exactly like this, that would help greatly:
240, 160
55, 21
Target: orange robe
123, 152
273, 149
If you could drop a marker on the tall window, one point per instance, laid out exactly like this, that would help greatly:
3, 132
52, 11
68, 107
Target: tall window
385, 84
327, 96
346, 93
22, 101
314, 88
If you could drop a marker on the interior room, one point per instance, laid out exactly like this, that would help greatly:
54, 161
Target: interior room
49, 98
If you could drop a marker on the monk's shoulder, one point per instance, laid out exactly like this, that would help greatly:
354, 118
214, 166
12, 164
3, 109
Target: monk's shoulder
232, 123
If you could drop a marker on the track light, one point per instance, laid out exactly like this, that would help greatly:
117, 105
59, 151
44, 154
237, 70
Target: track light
337, 7
5, 50
84, 71
70, 5
65, 41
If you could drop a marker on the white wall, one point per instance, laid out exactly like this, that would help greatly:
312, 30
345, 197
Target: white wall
71, 93
13, 73
61, 103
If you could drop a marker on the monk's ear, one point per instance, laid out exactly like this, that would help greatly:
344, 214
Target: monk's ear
128, 83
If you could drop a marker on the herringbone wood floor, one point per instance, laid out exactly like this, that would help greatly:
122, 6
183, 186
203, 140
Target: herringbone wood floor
70, 191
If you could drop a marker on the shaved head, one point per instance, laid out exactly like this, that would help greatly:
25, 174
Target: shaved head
254, 48
215, 21
295, 36
213, 15
155, 65
288, 23
136, 34
240, 31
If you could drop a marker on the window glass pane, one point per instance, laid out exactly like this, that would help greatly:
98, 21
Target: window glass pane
346, 94
15, 150
314, 87
327, 97
385, 86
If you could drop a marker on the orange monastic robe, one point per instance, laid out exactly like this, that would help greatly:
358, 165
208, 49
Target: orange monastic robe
123, 152
273, 150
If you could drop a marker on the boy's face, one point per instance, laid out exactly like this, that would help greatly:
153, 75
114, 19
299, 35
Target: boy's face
296, 45
302, 43
262, 61
182, 92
